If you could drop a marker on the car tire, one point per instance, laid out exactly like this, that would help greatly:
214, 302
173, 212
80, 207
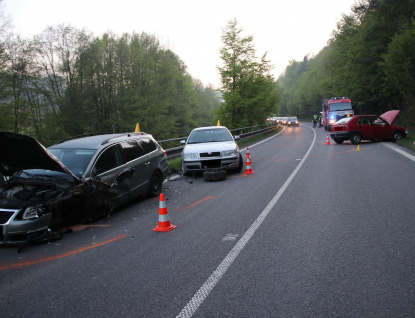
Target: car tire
338, 141
396, 136
56, 221
215, 175
185, 171
241, 164
155, 184
355, 138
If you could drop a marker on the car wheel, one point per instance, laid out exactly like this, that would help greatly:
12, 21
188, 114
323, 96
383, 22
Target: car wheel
156, 184
214, 175
355, 139
338, 141
396, 136
185, 171
241, 164
56, 221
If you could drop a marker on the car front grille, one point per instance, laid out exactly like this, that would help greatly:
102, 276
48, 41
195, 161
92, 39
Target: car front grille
5, 215
209, 154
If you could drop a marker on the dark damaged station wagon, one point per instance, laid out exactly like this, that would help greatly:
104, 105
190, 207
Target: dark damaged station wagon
77, 180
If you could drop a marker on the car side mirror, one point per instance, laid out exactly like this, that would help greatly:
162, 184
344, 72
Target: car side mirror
237, 137
183, 141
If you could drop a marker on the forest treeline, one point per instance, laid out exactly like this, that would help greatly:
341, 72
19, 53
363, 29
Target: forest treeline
370, 58
66, 82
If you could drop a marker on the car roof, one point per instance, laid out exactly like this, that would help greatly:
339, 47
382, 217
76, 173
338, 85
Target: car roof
210, 127
96, 141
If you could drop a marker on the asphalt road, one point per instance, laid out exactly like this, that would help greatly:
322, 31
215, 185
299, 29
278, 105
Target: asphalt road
317, 231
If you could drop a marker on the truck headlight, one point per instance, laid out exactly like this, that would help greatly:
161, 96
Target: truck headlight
33, 212
191, 156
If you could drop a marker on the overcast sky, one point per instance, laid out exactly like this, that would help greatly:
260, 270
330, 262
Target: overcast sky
286, 29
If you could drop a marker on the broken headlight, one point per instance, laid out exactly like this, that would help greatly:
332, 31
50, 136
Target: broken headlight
228, 153
33, 212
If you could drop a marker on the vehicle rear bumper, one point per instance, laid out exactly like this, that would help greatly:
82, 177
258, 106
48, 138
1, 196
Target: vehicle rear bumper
342, 135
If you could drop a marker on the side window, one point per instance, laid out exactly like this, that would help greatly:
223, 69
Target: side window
147, 144
109, 159
131, 150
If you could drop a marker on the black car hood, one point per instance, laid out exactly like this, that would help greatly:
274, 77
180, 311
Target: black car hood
20, 152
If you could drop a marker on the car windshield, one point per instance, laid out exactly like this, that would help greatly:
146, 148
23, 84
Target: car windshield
75, 160
340, 106
293, 118
209, 135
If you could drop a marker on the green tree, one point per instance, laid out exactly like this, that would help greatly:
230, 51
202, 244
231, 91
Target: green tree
247, 85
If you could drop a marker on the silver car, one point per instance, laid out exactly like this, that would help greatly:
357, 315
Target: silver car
211, 148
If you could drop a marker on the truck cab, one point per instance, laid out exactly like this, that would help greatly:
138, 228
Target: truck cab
335, 109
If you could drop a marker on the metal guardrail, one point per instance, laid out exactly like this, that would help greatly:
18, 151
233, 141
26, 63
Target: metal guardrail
176, 150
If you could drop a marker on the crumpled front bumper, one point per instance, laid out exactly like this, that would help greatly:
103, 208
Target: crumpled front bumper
203, 165
14, 232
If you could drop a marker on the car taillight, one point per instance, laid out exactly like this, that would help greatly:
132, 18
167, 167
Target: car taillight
345, 127
165, 153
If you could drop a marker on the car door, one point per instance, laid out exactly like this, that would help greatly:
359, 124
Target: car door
383, 129
107, 169
135, 158
151, 158
366, 127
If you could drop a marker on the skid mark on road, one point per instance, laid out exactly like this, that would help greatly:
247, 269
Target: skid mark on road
193, 204
80, 227
34, 262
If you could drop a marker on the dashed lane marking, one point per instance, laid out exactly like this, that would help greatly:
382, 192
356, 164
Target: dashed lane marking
214, 278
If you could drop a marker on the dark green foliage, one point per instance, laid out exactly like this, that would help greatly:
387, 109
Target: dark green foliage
370, 58
248, 88
66, 83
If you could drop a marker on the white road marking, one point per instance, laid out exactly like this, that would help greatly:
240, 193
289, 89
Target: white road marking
396, 148
260, 142
207, 287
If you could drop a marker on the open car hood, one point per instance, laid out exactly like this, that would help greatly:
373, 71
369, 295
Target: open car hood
390, 116
20, 152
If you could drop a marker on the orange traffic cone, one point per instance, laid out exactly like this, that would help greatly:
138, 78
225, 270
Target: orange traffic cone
327, 141
164, 221
248, 169
248, 155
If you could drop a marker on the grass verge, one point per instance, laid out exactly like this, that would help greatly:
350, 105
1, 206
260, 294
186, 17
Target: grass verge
408, 142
